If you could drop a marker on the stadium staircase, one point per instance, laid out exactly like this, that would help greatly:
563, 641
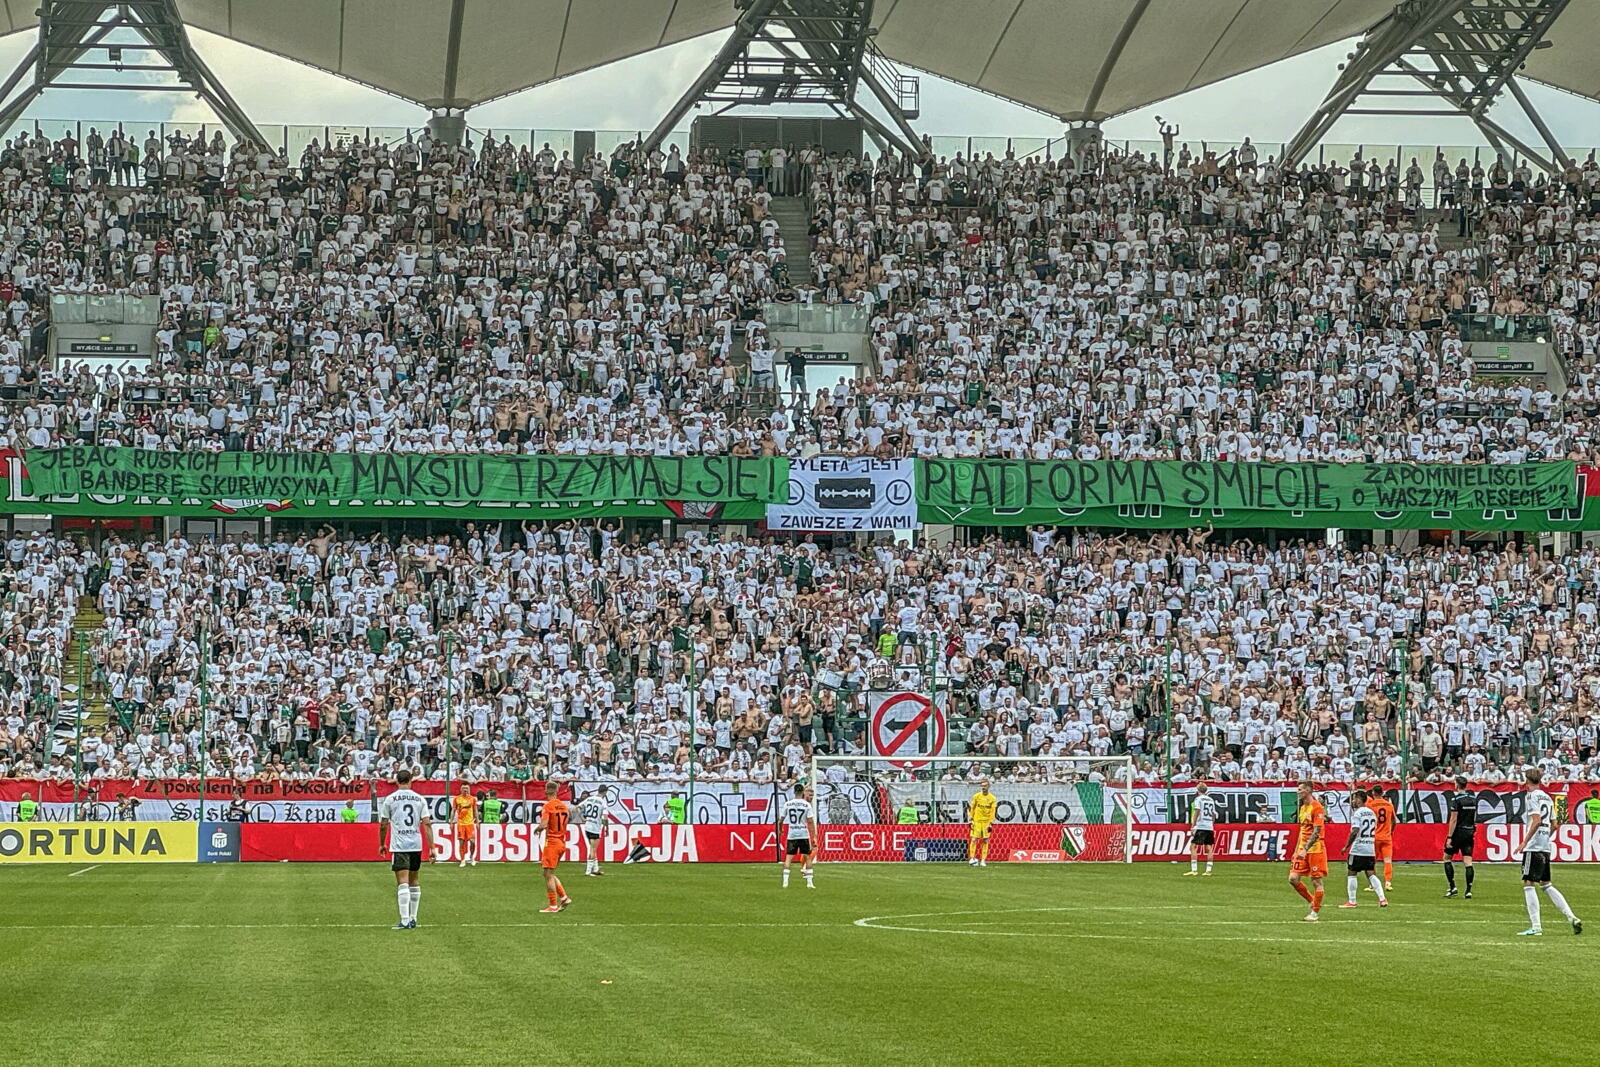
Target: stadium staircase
79, 664
793, 222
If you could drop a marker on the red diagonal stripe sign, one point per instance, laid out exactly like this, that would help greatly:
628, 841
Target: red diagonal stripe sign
894, 743
890, 740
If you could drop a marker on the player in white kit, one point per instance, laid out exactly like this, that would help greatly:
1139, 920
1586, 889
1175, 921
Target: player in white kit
1538, 819
800, 831
405, 831
1203, 832
1362, 858
592, 810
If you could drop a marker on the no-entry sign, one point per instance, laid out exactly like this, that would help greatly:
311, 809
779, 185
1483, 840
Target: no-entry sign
907, 728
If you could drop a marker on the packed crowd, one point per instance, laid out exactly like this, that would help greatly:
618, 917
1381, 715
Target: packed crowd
419, 296
426, 297
1202, 311
503, 653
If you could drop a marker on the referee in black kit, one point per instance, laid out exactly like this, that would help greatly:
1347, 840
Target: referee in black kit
1461, 834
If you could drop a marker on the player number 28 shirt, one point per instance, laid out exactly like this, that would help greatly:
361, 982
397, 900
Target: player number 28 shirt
593, 811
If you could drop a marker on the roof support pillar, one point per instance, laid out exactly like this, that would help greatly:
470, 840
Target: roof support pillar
814, 52
71, 29
1557, 153
744, 32
448, 126
1083, 141
1463, 53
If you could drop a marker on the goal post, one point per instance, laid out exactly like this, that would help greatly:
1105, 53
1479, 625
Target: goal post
1049, 809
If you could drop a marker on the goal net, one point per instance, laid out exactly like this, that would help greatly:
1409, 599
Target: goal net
1048, 809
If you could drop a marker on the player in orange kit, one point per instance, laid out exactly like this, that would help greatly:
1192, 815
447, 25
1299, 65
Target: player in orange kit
1310, 851
464, 813
553, 826
1383, 840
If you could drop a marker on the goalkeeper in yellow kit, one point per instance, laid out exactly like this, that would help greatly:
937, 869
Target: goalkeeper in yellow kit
982, 806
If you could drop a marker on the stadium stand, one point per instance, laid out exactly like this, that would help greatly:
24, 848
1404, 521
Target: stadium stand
433, 298
418, 295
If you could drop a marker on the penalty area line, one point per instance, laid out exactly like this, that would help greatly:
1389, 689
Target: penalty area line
869, 923
958, 925
1228, 922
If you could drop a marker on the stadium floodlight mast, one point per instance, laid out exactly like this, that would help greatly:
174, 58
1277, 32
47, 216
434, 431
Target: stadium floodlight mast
1061, 808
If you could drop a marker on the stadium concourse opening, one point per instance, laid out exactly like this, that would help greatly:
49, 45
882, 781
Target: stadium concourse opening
592, 529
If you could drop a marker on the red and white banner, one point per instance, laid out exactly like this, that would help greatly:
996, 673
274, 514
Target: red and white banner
324, 801
633, 803
1102, 842
1573, 843
1027, 843
178, 800
515, 843
725, 816
1154, 802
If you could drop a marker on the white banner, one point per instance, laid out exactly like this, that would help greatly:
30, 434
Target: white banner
1264, 802
1017, 802
855, 800
850, 494
632, 803
645, 803
146, 810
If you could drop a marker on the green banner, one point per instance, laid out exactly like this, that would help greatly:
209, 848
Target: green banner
26, 492
1130, 517
1001, 486
123, 507
363, 480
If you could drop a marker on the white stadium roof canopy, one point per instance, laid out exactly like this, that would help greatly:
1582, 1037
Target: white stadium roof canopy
1069, 58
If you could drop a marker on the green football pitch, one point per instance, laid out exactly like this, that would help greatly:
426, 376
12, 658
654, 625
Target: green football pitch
881, 964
